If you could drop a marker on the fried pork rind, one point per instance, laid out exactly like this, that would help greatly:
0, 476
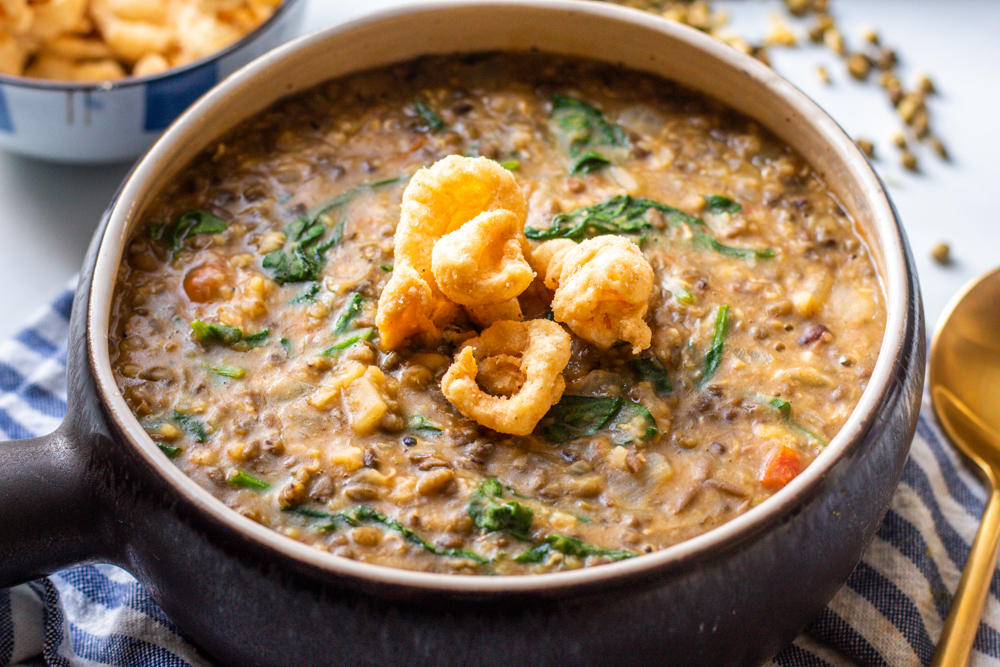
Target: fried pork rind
13, 54
406, 308
482, 262
541, 350
482, 267
89, 40
15, 16
602, 288
486, 316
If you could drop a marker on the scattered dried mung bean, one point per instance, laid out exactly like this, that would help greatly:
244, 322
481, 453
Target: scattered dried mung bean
858, 66
908, 160
834, 41
938, 147
941, 253
867, 147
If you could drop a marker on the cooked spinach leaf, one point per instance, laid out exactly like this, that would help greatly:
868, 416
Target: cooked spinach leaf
333, 519
224, 370
570, 546
363, 514
588, 162
345, 198
363, 334
632, 422
308, 295
187, 225
434, 121
169, 450
385, 267
714, 355
190, 425
287, 345
227, 335
704, 240
304, 254
784, 409
257, 339
240, 478
216, 333
624, 214
580, 416
510, 165
423, 425
350, 311
489, 513
721, 204
302, 257
652, 370
577, 416
621, 214
585, 130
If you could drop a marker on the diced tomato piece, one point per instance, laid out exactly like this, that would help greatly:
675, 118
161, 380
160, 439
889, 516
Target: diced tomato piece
781, 468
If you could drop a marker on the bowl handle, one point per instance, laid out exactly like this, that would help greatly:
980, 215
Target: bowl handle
49, 517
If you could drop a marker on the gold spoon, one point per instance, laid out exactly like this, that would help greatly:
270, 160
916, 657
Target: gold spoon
965, 392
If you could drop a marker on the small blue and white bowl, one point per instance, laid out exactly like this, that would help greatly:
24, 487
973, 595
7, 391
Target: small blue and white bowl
116, 121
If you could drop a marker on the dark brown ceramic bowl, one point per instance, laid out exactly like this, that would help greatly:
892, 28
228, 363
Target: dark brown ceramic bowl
100, 490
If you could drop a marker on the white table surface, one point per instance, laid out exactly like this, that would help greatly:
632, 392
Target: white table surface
48, 212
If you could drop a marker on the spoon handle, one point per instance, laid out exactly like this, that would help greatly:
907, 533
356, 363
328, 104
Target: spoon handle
960, 628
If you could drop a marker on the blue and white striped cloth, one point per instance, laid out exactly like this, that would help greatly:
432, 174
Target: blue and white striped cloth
889, 613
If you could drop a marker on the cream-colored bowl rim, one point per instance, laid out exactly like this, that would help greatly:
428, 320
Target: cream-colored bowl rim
559, 26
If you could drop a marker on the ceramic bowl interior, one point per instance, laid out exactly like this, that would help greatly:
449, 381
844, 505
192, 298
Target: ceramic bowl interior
582, 29
113, 121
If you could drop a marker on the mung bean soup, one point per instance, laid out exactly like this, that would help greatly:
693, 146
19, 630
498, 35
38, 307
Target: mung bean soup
615, 315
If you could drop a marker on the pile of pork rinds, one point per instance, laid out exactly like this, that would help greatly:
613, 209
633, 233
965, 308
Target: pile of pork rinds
461, 253
99, 40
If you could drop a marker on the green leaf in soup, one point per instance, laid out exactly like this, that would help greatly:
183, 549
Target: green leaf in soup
577, 416
190, 425
632, 422
225, 370
621, 214
434, 121
191, 224
588, 162
333, 520
169, 450
784, 408
350, 311
584, 126
589, 137
423, 425
364, 514
714, 355
489, 513
242, 479
257, 339
216, 333
653, 371
721, 204
304, 255
624, 214
227, 335
363, 334
570, 546
704, 240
